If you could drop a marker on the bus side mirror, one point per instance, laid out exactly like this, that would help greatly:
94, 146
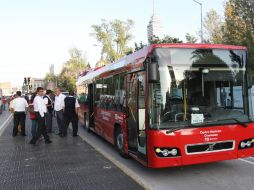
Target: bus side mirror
153, 72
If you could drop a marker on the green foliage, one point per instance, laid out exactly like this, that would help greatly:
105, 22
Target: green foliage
114, 37
167, 39
66, 83
71, 69
239, 25
190, 38
214, 27
139, 46
236, 29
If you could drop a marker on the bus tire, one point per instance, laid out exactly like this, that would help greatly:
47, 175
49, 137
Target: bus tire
119, 142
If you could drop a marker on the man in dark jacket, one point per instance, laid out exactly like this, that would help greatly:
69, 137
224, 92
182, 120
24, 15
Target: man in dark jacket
49, 103
71, 107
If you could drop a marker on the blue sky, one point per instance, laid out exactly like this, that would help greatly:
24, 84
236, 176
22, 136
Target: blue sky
37, 33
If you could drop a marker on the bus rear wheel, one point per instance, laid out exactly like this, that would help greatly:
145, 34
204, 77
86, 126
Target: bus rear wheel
120, 142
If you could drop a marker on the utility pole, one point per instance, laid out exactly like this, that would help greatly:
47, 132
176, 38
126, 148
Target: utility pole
201, 17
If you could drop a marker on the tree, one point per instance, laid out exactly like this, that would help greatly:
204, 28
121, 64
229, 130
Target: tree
190, 38
139, 46
71, 70
239, 25
114, 37
214, 27
165, 40
75, 65
50, 79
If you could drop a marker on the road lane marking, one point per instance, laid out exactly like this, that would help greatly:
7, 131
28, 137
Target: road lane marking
247, 161
4, 125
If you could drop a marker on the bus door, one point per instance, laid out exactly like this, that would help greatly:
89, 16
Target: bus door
91, 105
136, 113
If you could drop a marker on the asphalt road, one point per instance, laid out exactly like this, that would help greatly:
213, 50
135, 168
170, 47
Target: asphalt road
227, 175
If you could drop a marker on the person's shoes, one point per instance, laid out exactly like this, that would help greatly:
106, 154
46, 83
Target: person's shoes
14, 135
23, 135
62, 135
48, 141
74, 135
32, 142
59, 134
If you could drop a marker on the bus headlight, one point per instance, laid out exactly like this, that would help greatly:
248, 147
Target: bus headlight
247, 143
167, 152
242, 144
174, 152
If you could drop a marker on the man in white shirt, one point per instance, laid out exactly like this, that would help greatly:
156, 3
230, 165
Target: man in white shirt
19, 106
40, 110
71, 107
58, 107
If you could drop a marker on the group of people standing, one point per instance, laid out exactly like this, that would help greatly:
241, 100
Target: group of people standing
42, 108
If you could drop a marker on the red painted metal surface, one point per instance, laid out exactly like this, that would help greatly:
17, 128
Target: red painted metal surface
179, 139
105, 121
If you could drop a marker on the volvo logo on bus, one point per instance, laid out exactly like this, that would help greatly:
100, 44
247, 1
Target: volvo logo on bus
211, 147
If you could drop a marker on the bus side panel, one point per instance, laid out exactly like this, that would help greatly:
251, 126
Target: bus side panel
81, 113
105, 123
97, 121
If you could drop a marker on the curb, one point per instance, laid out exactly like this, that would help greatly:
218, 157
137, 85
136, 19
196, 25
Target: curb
118, 164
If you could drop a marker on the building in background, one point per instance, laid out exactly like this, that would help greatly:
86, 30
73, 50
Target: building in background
6, 88
35, 83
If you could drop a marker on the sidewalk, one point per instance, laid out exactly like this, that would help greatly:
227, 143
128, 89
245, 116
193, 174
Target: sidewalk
67, 163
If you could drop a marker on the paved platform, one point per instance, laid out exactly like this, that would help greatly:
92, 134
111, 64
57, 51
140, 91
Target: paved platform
67, 163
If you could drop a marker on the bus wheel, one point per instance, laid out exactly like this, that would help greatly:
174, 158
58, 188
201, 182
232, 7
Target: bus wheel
120, 142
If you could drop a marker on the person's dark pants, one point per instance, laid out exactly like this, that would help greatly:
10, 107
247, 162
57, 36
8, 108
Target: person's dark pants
33, 127
49, 116
60, 121
73, 119
41, 128
19, 118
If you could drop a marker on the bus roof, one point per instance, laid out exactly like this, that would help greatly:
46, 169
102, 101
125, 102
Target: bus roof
138, 58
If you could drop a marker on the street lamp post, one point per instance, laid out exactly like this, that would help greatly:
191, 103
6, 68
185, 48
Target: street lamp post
201, 12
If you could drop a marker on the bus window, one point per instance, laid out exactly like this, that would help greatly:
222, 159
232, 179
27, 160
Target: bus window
98, 92
108, 94
119, 92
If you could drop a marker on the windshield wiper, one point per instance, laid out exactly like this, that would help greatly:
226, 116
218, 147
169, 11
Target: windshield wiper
178, 128
201, 124
236, 120
173, 130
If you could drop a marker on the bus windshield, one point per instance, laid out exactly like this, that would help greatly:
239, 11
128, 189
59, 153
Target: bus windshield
198, 87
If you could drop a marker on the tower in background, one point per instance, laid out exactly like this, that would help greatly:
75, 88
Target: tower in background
52, 69
154, 27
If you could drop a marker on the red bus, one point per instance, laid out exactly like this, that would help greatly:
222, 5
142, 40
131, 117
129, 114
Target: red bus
173, 104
